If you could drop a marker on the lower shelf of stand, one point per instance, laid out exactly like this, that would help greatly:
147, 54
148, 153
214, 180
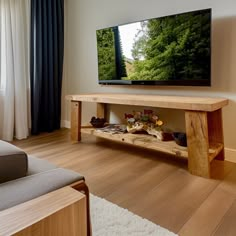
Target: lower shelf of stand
150, 142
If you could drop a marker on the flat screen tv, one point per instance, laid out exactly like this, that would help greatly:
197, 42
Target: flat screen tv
169, 50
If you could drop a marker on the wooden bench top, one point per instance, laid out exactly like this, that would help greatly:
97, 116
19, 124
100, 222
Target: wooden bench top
208, 104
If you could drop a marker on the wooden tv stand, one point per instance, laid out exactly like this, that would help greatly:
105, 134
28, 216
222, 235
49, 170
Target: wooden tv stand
203, 121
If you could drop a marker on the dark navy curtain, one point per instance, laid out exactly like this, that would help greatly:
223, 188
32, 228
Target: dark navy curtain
47, 46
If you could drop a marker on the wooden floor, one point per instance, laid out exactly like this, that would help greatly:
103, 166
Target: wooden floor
150, 184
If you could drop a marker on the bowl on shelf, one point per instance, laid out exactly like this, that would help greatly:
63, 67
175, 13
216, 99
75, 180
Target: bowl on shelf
180, 138
97, 122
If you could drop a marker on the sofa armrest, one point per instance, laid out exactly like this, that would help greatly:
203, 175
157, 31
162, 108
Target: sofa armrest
61, 212
17, 191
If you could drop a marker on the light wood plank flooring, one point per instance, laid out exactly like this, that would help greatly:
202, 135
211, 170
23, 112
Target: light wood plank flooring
151, 184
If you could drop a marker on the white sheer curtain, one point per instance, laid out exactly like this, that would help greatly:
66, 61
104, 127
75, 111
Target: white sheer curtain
14, 68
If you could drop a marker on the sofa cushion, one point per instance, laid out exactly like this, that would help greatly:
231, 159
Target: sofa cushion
37, 165
21, 190
13, 162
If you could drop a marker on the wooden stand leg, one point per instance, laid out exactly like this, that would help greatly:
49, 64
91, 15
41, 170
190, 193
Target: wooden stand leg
101, 110
215, 130
76, 107
198, 145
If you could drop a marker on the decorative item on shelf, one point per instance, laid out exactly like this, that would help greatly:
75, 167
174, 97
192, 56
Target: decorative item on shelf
159, 133
113, 129
147, 122
180, 138
97, 122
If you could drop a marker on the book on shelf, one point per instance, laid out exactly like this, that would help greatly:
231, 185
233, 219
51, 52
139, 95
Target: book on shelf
113, 129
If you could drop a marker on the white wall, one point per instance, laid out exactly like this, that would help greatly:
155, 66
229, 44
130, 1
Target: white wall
83, 17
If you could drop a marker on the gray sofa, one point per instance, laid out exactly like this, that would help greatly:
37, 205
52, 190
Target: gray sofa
24, 177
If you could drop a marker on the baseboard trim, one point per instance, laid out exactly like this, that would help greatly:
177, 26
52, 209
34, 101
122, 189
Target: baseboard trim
230, 154
65, 124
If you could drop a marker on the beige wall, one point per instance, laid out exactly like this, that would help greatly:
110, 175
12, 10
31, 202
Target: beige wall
83, 17
1, 111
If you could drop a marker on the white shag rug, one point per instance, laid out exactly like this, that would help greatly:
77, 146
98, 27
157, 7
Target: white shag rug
109, 219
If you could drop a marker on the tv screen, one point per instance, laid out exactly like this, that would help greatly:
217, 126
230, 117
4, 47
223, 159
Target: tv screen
169, 50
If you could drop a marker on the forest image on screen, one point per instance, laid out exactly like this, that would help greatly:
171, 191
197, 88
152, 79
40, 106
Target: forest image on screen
168, 48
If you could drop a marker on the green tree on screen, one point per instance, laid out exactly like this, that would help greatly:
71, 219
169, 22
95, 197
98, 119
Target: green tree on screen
111, 64
106, 54
174, 48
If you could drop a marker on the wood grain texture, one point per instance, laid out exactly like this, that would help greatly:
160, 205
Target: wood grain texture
61, 212
215, 150
76, 108
212, 209
215, 130
101, 110
198, 143
173, 198
153, 185
227, 226
141, 140
199, 112
176, 102
150, 142
229, 183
